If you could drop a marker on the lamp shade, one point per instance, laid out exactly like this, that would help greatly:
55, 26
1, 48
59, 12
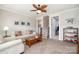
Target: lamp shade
5, 28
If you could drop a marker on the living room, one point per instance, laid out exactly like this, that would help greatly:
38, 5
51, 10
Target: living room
17, 18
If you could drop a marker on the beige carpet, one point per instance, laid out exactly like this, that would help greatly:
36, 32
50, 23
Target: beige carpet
50, 46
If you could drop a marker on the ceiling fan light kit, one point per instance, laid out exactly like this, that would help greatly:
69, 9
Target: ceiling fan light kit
38, 11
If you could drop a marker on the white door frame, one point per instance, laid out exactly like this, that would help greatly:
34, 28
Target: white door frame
52, 35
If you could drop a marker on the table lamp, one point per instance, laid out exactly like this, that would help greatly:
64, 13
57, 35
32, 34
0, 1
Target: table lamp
6, 30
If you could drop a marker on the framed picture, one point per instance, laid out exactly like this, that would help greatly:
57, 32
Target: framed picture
28, 24
22, 23
70, 20
16, 23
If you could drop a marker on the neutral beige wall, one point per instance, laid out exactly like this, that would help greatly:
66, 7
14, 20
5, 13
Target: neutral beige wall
46, 21
9, 18
71, 13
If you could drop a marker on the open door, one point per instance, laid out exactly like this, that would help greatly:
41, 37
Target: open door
55, 27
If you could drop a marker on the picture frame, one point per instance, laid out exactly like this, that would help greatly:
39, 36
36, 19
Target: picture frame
70, 20
16, 23
28, 23
22, 23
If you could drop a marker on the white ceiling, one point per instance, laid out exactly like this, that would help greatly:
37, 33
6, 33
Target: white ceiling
24, 9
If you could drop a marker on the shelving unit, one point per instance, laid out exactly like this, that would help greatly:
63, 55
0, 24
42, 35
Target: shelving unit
70, 34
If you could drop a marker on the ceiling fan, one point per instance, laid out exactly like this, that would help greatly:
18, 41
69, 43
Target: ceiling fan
39, 8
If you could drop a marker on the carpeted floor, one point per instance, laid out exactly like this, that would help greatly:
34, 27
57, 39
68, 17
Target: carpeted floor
50, 46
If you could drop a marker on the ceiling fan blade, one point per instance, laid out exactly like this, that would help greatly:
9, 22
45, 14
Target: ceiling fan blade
35, 6
44, 10
43, 6
33, 10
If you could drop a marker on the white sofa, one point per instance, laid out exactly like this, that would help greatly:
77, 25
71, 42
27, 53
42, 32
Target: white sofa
12, 47
14, 44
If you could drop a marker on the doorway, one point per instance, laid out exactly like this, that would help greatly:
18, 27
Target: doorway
55, 27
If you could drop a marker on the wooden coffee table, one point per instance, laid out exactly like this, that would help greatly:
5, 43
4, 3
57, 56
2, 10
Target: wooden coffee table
32, 40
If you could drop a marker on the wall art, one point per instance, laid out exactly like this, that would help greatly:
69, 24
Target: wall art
28, 23
70, 20
22, 23
16, 23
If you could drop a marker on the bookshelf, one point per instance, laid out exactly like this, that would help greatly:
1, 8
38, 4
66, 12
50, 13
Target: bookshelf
70, 34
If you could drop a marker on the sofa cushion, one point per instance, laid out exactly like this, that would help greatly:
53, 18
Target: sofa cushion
1, 38
18, 33
10, 47
29, 31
